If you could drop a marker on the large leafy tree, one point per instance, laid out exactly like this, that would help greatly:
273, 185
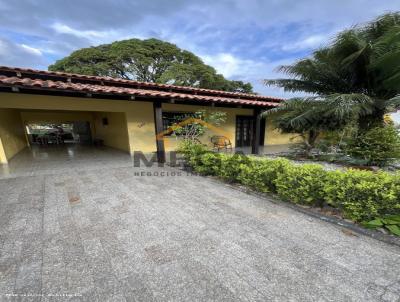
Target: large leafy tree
148, 60
357, 75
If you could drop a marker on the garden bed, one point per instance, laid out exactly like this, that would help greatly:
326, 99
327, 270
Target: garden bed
335, 164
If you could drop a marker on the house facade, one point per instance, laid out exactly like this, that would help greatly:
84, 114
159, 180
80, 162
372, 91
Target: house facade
124, 114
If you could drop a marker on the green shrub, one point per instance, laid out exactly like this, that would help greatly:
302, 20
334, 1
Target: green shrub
363, 195
377, 146
185, 147
389, 222
208, 163
192, 152
231, 166
302, 184
261, 174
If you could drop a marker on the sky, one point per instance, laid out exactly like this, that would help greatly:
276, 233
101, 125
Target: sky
243, 39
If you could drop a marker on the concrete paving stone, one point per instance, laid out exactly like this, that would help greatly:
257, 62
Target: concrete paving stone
79, 280
135, 289
174, 238
29, 278
170, 282
212, 288
237, 285
390, 297
108, 287
17, 225
11, 251
395, 287
32, 250
158, 254
8, 274
54, 278
124, 265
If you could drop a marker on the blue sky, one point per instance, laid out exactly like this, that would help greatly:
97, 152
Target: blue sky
242, 39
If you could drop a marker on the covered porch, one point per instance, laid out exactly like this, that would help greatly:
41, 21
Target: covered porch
54, 159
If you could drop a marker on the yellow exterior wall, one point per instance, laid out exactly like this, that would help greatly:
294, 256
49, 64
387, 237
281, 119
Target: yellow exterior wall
47, 102
227, 129
3, 156
138, 134
141, 128
12, 134
139, 115
115, 134
274, 136
55, 116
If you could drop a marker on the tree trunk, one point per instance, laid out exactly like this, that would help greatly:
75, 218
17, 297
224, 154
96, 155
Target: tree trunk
312, 138
310, 141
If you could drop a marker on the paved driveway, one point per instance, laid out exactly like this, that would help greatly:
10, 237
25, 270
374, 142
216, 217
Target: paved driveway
94, 233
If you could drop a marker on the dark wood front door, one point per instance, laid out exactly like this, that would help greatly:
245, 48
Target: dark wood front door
244, 131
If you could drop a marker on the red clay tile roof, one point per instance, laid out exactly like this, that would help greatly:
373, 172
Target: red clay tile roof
66, 82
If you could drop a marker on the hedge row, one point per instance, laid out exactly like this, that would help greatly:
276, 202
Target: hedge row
360, 195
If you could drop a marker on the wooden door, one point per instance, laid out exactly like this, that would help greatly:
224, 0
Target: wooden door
244, 131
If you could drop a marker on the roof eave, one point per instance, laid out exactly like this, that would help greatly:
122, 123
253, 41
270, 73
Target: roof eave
128, 97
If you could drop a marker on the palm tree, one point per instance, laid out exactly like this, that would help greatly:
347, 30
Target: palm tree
357, 75
311, 116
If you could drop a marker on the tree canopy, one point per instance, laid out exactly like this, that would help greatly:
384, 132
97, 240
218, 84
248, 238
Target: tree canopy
150, 60
357, 74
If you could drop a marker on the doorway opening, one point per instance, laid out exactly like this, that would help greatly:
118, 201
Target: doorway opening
77, 132
244, 131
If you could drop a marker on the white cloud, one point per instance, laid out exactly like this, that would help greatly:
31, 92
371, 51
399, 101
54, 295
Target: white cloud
32, 50
252, 71
311, 42
91, 34
73, 38
234, 67
228, 65
21, 55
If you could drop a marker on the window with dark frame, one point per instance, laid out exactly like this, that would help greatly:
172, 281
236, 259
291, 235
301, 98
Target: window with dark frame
171, 118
